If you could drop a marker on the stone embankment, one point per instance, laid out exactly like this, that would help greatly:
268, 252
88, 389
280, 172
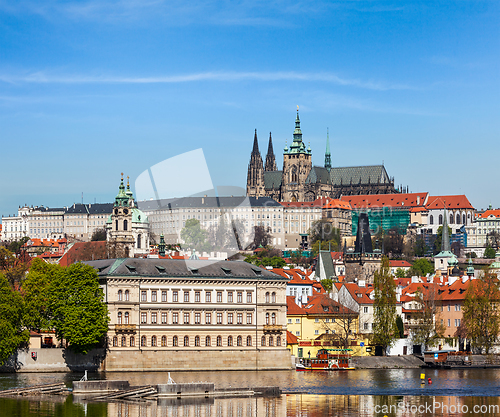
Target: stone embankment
386, 362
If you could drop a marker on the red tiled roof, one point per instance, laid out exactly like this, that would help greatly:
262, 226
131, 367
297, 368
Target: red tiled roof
360, 294
399, 264
319, 304
337, 255
336, 203
488, 213
291, 339
84, 251
452, 202
386, 200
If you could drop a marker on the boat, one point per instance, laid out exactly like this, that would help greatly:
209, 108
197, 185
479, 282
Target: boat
327, 360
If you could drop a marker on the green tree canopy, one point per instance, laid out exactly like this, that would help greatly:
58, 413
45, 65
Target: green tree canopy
194, 236
420, 268
385, 330
77, 309
99, 235
12, 331
429, 328
327, 284
324, 232
489, 253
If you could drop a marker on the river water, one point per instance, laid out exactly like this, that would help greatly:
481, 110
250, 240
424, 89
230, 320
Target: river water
391, 392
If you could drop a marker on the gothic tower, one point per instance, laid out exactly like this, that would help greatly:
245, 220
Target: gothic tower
255, 176
328, 155
297, 163
270, 159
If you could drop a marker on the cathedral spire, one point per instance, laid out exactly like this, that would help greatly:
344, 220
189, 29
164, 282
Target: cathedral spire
445, 237
255, 175
328, 155
255, 149
270, 159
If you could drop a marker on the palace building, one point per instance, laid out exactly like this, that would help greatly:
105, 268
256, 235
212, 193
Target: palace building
299, 180
168, 315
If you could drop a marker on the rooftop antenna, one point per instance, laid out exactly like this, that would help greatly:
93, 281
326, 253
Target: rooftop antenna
82, 197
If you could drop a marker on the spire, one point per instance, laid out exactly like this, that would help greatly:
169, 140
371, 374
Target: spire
121, 198
328, 156
445, 238
297, 146
161, 246
255, 144
270, 159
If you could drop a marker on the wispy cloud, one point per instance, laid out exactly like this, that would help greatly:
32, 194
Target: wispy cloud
222, 76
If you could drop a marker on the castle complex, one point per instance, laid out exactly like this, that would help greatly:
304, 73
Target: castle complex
301, 181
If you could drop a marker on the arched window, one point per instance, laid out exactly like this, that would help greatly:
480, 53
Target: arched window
451, 218
197, 341
273, 297
175, 341
115, 341
463, 219
440, 219
230, 340
127, 295
249, 340
278, 341
143, 341
186, 341
116, 224
132, 341
263, 341
164, 341
124, 341
153, 340
120, 295
239, 341
219, 340
126, 317
273, 318
208, 342
138, 241
267, 318
271, 341
267, 297
120, 317
125, 224
458, 218
431, 219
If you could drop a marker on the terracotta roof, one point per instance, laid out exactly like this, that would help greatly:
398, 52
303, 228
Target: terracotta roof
337, 255
84, 251
413, 287
319, 304
336, 203
399, 264
386, 200
291, 339
403, 282
487, 213
452, 202
455, 291
360, 294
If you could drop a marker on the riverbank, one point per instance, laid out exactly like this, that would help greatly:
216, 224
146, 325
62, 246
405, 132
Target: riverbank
386, 362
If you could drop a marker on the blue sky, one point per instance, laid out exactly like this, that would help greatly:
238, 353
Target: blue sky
89, 89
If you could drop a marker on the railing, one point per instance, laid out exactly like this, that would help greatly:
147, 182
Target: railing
273, 328
125, 327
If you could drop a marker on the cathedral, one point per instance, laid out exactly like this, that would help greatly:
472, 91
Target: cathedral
301, 181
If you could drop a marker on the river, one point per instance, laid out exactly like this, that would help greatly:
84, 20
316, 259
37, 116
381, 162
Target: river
364, 392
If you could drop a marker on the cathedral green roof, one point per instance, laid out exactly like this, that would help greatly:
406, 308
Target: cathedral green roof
365, 174
272, 180
138, 216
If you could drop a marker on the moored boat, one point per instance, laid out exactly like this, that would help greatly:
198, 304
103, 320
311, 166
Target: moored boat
327, 360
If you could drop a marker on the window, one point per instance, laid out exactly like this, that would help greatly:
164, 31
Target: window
230, 297
163, 296
164, 341
297, 320
449, 322
273, 318
457, 307
208, 342
267, 318
219, 341
263, 341
449, 307
120, 295
125, 224
197, 341
186, 341
229, 318
249, 297
219, 318
239, 297
197, 318
249, 340
316, 332
208, 318
219, 297
154, 317
273, 297
127, 295
239, 318
153, 296
175, 341
175, 296
186, 296
186, 318
249, 318
267, 297
175, 318
297, 333
230, 340
278, 341
115, 341
440, 219
239, 341
119, 318
153, 341
365, 326
163, 317
197, 297
365, 309
316, 320
271, 341
208, 297
132, 341
144, 296
143, 341
144, 318
126, 317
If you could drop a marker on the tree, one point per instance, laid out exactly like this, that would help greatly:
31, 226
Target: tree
420, 248
194, 236
439, 239
12, 331
489, 253
332, 245
13, 266
98, 235
400, 273
385, 330
343, 325
401, 327
17, 245
393, 242
493, 239
429, 328
420, 268
262, 236
327, 284
77, 309
322, 231
481, 317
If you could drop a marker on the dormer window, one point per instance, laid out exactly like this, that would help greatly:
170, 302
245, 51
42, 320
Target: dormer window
227, 271
131, 268
161, 269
